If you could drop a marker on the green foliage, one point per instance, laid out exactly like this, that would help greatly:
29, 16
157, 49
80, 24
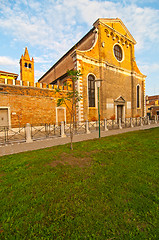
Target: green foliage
53, 194
70, 99
71, 96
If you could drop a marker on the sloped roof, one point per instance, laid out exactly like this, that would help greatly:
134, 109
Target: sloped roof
8, 73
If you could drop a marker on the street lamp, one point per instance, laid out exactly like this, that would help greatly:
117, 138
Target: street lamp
98, 82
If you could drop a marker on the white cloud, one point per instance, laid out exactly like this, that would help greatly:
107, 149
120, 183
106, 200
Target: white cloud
41, 60
149, 68
57, 25
54, 26
8, 61
38, 74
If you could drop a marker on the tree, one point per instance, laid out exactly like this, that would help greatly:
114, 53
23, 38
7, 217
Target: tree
70, 99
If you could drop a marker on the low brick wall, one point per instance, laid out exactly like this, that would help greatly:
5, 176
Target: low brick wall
28, 104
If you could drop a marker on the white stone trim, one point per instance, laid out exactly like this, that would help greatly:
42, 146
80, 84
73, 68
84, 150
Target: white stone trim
123, 54
64, 108
123, 111
95, 41
96, 92
95, 62
139, 96
9, 115
128, 105
110, 105
79, 89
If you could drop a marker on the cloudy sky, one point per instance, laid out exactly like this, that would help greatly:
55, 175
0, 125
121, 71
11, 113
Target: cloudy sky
51, 27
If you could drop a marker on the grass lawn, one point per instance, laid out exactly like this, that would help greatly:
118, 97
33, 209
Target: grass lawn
104, 189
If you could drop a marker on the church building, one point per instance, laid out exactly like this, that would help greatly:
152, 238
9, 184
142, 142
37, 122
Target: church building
107, 53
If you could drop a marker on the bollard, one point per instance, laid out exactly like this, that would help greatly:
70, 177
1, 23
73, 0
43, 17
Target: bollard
46, 130
87, 127
105, 125
120, 127
62, 130
141, 121
148, 120
28, 133
131, 123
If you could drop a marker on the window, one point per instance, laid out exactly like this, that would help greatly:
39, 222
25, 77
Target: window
91, 90
138, 96
118, 52
29, 65
26, 65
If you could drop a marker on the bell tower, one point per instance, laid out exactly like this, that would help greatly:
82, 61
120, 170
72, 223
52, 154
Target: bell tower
26, 67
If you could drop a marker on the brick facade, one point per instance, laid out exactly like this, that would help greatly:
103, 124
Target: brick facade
123, 85
122, 91
152, 105
26, 104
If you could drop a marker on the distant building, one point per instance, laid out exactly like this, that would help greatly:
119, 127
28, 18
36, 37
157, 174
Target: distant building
26, 67
23, 101
4, 76
106, 52
152, 106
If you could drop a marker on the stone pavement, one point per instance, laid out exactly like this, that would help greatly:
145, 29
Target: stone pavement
23, 147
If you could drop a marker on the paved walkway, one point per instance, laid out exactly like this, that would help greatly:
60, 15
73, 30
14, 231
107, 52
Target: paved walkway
23, 147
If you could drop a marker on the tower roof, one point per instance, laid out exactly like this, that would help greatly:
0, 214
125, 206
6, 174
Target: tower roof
26, 54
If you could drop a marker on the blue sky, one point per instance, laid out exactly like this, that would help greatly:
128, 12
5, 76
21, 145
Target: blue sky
49, 28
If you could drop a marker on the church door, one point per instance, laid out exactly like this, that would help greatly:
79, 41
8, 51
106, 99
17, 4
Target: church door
119, 112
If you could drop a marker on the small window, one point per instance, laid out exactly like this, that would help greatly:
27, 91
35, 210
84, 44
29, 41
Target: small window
118, 52
91, 90
29, 65
26, 65
138, 96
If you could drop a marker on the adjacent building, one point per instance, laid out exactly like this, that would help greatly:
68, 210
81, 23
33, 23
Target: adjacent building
152, 106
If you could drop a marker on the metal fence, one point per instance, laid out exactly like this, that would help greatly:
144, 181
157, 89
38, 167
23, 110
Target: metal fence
45, 131
12, 135
30, 133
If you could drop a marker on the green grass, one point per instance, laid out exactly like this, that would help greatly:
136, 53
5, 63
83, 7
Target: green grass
104, 189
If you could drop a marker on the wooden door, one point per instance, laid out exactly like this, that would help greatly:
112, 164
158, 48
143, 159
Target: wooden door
61, 115
3, 117
119, 112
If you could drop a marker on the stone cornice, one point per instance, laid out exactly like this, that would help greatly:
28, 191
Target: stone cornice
78, 55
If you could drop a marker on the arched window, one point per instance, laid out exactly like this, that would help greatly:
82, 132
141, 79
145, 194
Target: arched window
118, 52
138, 96
91, 90
29, 65
25, 64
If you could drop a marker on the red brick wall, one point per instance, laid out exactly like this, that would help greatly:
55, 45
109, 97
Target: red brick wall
31, 105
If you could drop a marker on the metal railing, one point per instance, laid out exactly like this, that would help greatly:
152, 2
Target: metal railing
12, 135
31, 133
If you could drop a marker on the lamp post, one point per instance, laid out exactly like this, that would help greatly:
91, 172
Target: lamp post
98, 82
